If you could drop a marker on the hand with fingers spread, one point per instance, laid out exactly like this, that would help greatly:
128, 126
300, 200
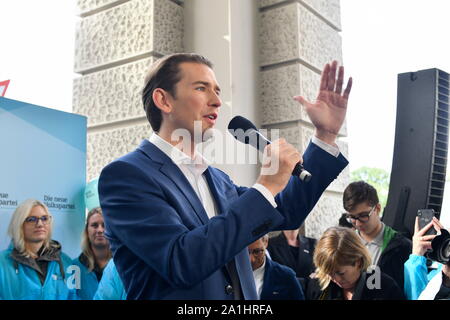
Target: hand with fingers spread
422, 242
327, 113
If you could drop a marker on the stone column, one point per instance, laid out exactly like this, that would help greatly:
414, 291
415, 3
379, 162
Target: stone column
297, 38
116, 41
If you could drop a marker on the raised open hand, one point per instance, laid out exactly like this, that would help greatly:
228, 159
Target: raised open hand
327, 113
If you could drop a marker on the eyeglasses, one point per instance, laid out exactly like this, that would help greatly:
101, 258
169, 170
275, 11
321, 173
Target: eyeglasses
362, 217
32, 219
256, 252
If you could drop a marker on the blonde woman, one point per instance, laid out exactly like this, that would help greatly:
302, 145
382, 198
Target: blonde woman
342, 264
95, 254
33, 267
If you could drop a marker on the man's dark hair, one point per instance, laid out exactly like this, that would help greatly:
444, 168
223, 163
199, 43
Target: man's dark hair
165, 74
359, 192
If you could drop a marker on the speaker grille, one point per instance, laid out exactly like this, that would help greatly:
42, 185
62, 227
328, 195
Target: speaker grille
420, 150
437, 181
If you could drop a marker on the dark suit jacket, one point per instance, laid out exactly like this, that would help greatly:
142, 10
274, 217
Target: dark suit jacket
164, 245
280, 283
280, 251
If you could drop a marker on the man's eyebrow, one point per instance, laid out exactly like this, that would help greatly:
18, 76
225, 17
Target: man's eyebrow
206, 83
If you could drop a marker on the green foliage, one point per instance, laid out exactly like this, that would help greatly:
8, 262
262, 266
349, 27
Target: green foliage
376, 177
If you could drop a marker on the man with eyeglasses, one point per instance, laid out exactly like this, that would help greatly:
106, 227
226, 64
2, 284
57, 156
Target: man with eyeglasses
273, 281
388, 248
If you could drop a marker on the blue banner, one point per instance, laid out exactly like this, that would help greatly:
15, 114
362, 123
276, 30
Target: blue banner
91, 198
43, 156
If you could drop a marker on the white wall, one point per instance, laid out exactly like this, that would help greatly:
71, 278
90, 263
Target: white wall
225, 31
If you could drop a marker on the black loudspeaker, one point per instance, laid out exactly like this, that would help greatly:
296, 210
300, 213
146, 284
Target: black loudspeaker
420, 149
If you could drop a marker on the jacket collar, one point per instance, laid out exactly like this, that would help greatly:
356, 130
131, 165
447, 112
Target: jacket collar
52, 254
173, 172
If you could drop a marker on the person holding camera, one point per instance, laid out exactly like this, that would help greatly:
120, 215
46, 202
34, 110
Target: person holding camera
421, 281
439, 286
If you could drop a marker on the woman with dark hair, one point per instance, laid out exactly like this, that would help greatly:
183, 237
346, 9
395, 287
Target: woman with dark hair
95, 254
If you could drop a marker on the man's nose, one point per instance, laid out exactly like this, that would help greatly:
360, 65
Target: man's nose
358, 222
215, 100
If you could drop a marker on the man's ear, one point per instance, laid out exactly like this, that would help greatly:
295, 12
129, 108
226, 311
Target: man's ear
161, 98
378, 208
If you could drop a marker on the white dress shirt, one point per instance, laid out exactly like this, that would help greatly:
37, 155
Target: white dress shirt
192, 169
258, 275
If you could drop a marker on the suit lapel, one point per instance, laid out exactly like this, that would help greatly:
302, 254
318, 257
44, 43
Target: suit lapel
267, 286
170, 170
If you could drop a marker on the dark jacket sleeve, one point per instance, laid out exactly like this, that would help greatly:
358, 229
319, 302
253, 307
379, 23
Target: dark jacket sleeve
299, 198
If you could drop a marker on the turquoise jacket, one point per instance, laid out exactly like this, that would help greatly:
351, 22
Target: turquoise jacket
21, 282
88, 281
417, 276
111, 286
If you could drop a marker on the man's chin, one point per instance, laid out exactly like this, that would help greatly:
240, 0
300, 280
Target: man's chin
208, 134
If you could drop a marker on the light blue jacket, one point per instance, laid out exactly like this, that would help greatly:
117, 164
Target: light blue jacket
111, 286
21, 282
417, 276
88, 281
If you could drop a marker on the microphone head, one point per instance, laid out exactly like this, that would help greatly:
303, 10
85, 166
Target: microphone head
246, 132
242, 123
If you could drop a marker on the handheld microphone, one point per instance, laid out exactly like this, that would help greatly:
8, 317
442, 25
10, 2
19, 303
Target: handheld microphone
254, 138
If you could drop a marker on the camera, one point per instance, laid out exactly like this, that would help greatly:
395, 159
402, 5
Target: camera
440, 245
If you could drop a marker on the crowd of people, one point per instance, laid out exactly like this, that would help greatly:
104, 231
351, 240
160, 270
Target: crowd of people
170, 226
361, 260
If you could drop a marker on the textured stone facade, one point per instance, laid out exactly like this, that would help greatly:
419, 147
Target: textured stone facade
128, 31
116, 42
325, 214
87, 7
106, 145
111, 95
293, 33
297, 38
329, 10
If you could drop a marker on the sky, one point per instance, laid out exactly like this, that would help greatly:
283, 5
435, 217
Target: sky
380, 40
36, 53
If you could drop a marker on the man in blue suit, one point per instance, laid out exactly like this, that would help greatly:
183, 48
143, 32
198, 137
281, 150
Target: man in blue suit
179, 228
273, 281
